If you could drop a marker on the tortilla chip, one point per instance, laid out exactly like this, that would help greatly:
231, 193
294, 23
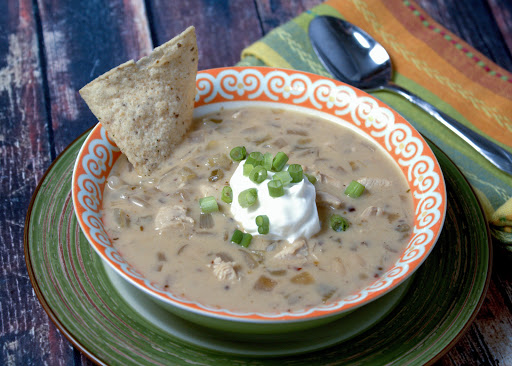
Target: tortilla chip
146, 107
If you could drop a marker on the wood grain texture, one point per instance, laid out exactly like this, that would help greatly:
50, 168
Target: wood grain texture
502, 12
25, 155
488, 340
51, 48
275, 12
473, 21
82, 40
223, 28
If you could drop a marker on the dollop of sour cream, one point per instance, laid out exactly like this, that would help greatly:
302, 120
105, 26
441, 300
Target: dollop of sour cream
291, 216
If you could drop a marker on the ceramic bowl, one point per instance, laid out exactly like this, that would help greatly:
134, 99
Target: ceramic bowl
286, 89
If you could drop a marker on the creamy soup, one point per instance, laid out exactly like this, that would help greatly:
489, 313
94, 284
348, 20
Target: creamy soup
157, 224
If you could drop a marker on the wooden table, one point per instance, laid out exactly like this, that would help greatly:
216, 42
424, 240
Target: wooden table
49, 49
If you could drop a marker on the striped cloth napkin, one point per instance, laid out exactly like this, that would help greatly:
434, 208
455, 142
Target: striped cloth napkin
432, 63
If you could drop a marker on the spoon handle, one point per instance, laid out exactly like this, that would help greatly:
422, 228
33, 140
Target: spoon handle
498, 156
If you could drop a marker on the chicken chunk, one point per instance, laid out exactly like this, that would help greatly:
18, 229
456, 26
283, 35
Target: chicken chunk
323, 178
292, 254
374, 183
224, 270
371, 211
327, 199
298, 248
207, 190
172, 216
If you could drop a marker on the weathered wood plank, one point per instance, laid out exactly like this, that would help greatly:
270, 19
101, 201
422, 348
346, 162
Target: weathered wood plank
474, 22
223, 28
487, 342
27, 335
502, 13
82, 40
273, 13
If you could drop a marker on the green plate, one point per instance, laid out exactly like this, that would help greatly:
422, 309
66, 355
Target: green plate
80, 297
260, 345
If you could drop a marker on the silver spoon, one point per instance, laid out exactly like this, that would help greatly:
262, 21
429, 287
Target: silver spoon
354, 57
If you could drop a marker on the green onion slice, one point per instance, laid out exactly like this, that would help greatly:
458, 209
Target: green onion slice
354, 189
275, 188
255, 158
247, 169
311, 178
227, 194
237, 237
258, 174
267, 161
284, 177
208, 204
246, 240
248, 197
262, 220
296, 172
238, 153
338, 223
263, 224
263, 230
279, 161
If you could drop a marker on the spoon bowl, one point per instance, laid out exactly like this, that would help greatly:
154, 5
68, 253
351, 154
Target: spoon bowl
354, 57
350, 54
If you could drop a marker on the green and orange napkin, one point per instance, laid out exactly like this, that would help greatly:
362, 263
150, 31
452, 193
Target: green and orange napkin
431, 62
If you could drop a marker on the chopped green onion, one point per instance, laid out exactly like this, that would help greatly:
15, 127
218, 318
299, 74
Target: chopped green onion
263, 224
284, 177
248, 197
240, 238
238, 153
263, 230
227, 194
279, 161
246, 240
255, 158
248, 169
262, 220
296, 172
237, 237
275, 188
208, 204
258, 174
338, 223
354, 189
267, 161
311, 178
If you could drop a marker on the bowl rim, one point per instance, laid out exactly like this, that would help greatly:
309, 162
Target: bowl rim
267, 85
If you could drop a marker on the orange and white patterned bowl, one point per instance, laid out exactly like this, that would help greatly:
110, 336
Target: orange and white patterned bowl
287, 89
